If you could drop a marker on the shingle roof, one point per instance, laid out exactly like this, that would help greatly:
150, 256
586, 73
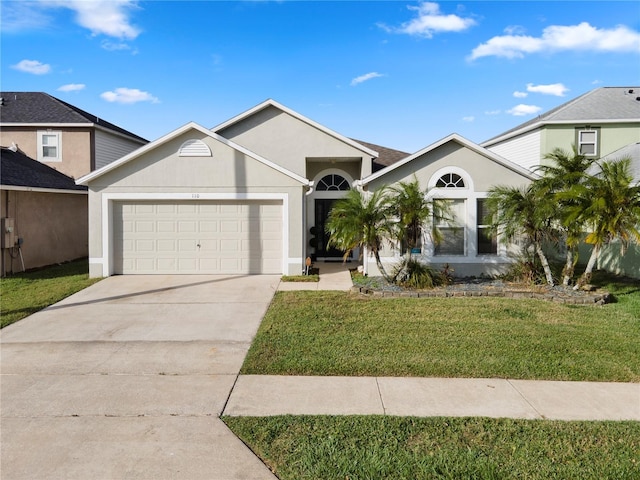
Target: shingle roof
18, 170
42, 108
605, 103
386, 156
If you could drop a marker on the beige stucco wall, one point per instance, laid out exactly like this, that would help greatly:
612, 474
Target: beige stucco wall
161, 171
484, 172
288, 141
76, 147
52, 225
314, 169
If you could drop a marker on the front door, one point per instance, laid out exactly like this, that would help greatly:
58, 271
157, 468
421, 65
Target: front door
322, 209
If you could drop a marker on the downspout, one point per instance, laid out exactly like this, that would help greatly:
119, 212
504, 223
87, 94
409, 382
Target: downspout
304, 222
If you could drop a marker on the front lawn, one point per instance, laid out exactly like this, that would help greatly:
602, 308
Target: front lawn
26, 293
376, 447
333, 333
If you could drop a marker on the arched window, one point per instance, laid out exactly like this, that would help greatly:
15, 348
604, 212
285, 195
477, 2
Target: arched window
450, 180
332, 182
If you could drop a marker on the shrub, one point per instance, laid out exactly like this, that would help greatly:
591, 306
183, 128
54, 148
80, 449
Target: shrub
411, 273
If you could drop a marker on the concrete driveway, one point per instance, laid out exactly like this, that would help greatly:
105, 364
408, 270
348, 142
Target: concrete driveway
126, 380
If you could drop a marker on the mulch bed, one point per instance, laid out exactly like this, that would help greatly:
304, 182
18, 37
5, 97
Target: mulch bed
479, 287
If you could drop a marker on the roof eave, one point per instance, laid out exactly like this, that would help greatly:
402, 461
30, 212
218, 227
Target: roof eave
25, 188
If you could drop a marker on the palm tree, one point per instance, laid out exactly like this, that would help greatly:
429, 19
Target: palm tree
559, 178
610, 207
522, 212
414, 211
362, 219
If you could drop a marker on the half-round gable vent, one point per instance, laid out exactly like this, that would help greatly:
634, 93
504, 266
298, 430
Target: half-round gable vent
194, 148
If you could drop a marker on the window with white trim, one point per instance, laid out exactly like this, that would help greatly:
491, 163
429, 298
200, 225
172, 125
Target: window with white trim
450, 180
487, 238
588, 142
49, 146
332, 182
452, 229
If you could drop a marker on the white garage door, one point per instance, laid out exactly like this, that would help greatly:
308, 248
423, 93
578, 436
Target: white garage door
208, 237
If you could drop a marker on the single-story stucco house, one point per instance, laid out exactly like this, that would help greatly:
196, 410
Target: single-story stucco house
251, 196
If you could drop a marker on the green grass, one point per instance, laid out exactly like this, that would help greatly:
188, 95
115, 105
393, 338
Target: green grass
376, 447
26, 293
333, 333
300, 278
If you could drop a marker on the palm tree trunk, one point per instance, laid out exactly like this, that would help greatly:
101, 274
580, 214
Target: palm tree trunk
586, 276
545, 263
384, 273
567, 272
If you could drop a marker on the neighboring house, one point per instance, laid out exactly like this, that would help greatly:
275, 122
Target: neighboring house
252, 196
610, 258
61, 135
43, 214
598, 123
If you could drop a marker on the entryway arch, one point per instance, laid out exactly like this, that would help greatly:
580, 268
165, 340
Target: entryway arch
329, 185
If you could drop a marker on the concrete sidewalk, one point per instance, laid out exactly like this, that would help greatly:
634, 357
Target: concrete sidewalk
428, 397
333, 276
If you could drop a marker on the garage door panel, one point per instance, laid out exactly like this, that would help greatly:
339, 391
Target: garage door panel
198, 237
209, 226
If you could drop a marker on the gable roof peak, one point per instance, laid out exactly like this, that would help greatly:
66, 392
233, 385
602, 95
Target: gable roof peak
273, 103
172, 135
453, 137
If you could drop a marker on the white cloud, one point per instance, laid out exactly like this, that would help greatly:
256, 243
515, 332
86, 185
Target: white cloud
32, 66
558, 37
514, 30
128, 96
114, 46
520, 94
102, 17
521, 110
429, 21
470, 118
556, 89
72, 87
23, 16
365, 77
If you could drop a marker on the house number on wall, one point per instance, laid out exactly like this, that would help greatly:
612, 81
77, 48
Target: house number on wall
195, 195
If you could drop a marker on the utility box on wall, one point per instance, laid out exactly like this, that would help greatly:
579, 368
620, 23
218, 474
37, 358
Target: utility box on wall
7, 230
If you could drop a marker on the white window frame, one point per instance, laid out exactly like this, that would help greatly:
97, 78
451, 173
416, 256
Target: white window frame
480, 227
594, 143
460, 222
54, 133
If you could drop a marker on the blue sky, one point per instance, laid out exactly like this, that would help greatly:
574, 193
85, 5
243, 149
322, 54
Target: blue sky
400, 74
